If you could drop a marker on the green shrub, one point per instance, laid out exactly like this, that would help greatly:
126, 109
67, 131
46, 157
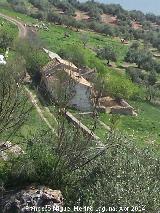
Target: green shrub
120, 175
120, 87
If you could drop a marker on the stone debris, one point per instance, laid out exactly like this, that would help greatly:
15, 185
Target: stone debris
7, 148
38, 26
35, 198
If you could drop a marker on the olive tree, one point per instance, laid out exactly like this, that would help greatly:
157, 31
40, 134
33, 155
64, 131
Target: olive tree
107, 53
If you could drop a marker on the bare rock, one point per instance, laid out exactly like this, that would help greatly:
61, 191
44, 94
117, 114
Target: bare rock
33, 199
7, 149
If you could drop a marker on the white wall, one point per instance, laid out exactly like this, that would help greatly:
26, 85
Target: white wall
82, 100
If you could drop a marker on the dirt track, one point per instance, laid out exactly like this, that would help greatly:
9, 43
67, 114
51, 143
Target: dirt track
21, 27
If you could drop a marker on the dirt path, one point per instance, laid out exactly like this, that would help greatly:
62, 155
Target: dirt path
22, 29
22, 34
34, 101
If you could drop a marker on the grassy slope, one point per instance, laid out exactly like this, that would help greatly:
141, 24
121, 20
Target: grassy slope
55, 40
34, 123
22, 17
32, 126
146, 125
8, 27
144, 128
11, 30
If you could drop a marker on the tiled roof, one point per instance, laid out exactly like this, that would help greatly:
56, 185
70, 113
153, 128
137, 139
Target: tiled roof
66, 66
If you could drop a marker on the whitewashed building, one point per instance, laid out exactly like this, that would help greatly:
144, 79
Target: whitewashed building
61, 80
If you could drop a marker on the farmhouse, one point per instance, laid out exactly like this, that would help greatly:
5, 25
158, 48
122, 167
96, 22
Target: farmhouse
61, 80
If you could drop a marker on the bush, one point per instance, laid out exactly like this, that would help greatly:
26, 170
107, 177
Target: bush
74, 53
83, 174
137, 75
107, 53
6, 40
120, 87
35, 59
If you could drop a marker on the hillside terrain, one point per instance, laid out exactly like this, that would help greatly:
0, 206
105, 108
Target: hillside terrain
67, 52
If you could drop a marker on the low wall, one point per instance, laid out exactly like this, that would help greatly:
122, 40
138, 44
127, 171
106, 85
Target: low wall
111, 106
122, 110
78, 124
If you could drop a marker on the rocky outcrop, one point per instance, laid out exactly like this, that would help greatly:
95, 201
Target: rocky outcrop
8, 149
34, 199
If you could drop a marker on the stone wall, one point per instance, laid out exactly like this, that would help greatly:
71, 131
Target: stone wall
110, 105
122, 110
81, 100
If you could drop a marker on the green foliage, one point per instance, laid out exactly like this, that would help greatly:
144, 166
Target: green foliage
13, 110
135, 45
74, 53
137, 75
147, 79
120, 87
4, 172
83, 174
69, 162
107, 53
35, 58
85, 39
55, 40
144, 127
7, 34
41, 4
19, 5
42, 9
5, 40
140, 57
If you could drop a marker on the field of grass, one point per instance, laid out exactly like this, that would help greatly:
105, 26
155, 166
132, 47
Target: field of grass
144, 128
51, 117
9, 28
55, 39
32, 125
20, 16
